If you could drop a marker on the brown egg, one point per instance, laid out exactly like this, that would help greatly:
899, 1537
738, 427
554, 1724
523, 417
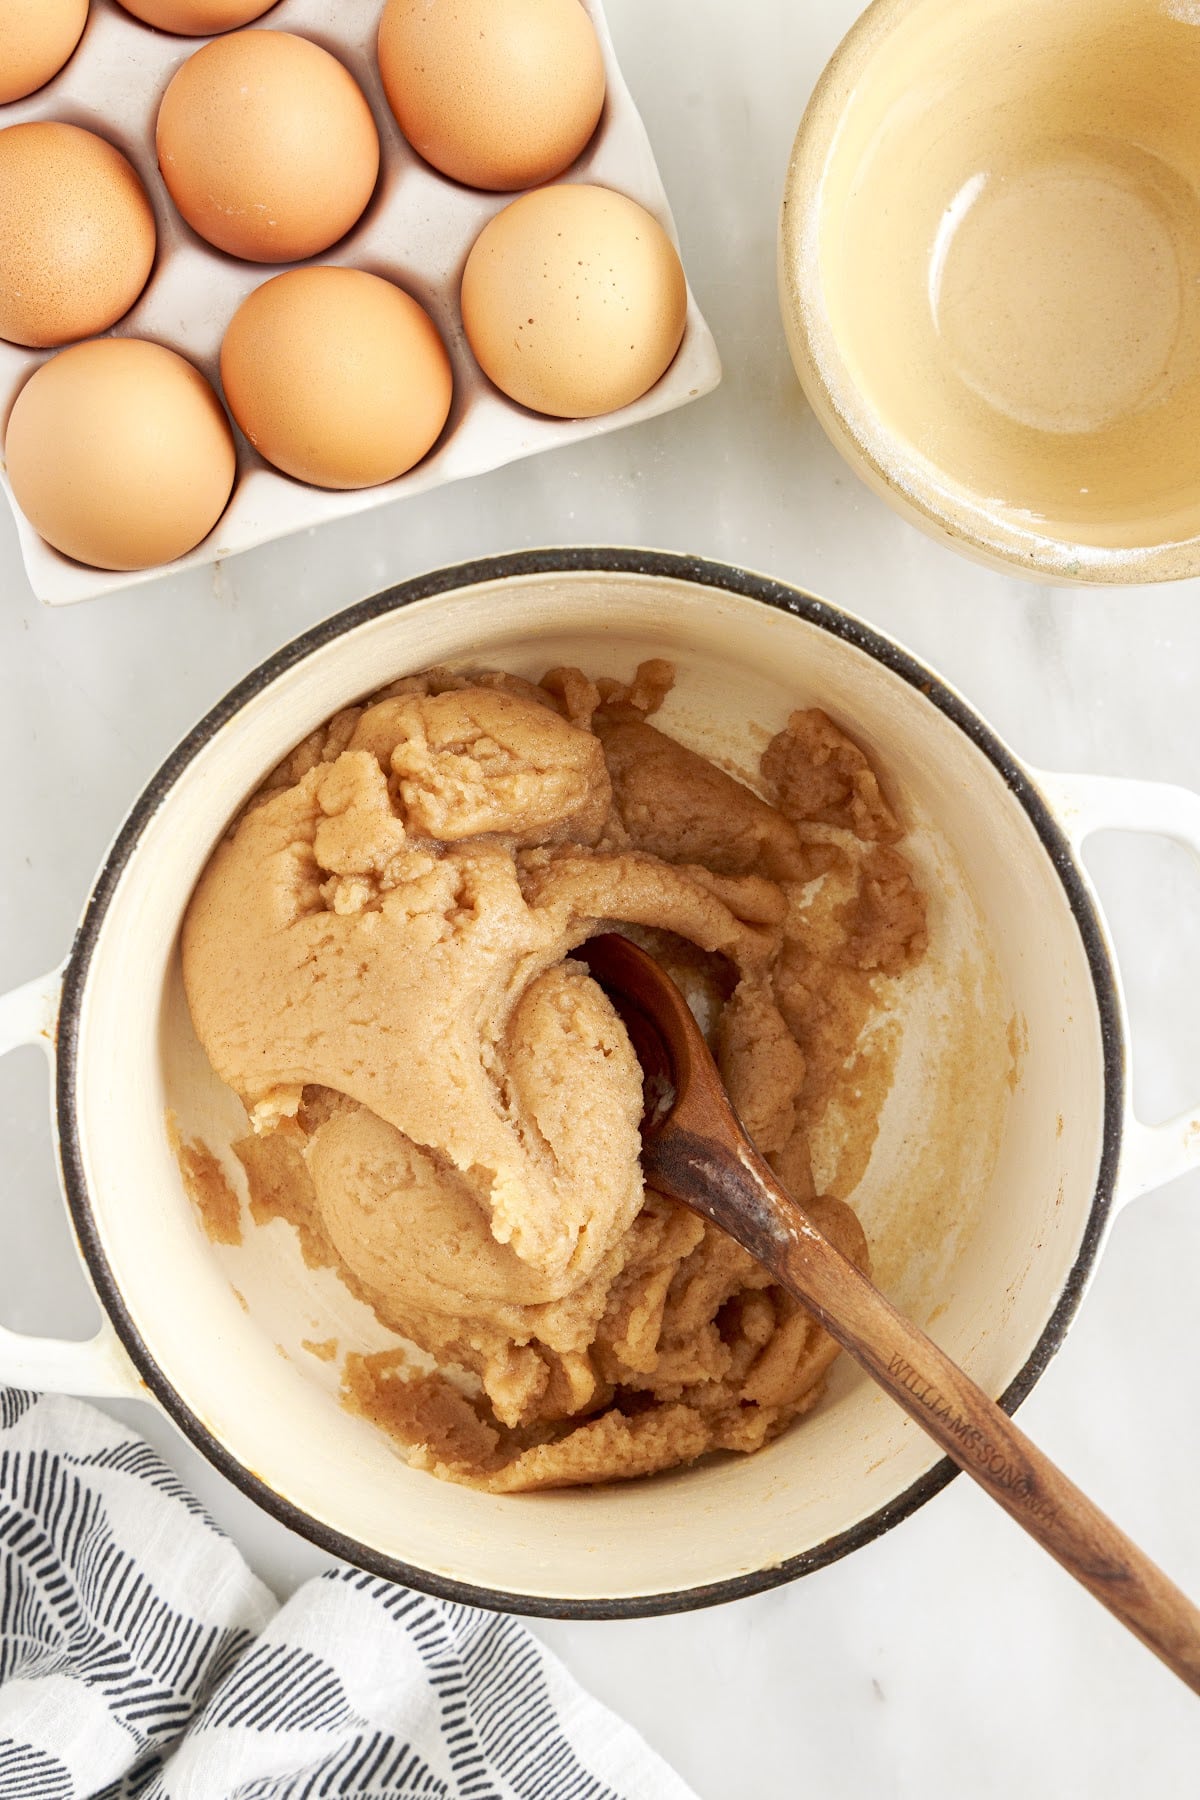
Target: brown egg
120, 454
76, 234
267, 146
197, 18
497, 93
336, 376
574, 300
36, 38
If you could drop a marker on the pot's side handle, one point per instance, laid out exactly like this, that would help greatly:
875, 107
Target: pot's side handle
96, 1366
1085, 804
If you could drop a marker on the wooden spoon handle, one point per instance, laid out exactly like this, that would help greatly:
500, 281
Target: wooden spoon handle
744, 1198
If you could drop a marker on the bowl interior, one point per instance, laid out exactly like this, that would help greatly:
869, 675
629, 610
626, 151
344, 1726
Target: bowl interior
1006, 261
976, 1197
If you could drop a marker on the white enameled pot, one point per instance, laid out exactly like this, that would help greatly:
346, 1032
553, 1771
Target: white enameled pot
1006, 1142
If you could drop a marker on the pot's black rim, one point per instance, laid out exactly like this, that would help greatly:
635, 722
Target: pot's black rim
518, 565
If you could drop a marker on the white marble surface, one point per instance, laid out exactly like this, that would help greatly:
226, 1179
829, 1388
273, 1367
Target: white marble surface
950, 1658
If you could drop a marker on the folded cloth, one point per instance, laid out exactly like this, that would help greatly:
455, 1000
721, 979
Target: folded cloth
139, 1656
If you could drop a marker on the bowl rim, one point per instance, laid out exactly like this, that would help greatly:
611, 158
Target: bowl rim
929, 498
519, 565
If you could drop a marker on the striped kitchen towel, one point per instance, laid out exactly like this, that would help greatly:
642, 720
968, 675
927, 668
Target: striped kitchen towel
139, 1656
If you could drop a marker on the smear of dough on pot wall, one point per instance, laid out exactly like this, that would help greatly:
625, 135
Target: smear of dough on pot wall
377, 960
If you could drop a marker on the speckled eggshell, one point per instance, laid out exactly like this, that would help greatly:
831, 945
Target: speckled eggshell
574, 300
337, 377
36, 38
499, 94
120, 454
197, 18
77, 234
267, 146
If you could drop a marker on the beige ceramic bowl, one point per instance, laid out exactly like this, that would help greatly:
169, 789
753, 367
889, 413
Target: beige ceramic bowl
1006, 1143
990, 275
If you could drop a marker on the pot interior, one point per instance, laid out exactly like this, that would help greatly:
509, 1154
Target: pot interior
976, 1197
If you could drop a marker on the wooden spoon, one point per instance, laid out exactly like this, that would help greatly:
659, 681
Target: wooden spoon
695, 1150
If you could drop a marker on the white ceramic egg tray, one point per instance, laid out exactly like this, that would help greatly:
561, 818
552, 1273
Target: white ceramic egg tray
417, 230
